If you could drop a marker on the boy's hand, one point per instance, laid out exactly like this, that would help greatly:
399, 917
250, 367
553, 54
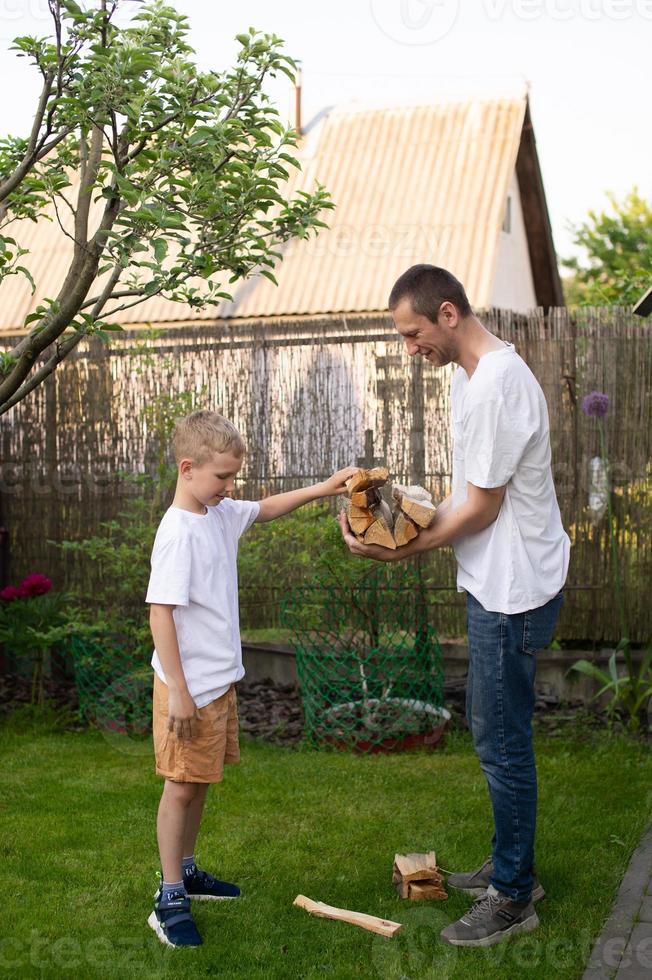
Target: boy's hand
182, 711
337, 482
375, 551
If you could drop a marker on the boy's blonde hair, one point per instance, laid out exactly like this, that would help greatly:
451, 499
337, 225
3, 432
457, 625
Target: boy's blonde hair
199, 435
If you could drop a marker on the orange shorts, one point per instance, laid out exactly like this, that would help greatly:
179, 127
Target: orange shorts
214, 744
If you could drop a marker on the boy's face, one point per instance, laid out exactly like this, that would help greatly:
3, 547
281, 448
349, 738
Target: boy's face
214, 480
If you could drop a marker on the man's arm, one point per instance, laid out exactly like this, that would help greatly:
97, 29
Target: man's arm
284, 503
181, 707
478, 511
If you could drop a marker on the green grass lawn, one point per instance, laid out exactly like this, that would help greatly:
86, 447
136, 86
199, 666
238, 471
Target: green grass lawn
79, 858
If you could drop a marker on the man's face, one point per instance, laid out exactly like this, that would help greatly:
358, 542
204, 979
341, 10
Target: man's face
437, 342
214, 480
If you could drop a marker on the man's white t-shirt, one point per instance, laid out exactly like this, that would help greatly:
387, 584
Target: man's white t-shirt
501, 437
194, 568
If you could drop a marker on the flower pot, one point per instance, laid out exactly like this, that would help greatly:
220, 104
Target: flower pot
370, 727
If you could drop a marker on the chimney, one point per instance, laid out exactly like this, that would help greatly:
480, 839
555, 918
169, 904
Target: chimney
297, 99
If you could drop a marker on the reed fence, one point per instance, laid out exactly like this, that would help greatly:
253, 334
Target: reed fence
311, 395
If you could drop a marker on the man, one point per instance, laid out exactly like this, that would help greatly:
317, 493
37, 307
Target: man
502, 519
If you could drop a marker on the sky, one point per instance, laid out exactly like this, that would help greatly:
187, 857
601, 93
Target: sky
585, 63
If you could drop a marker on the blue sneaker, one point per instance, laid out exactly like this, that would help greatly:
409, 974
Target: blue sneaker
202, 886
173, 922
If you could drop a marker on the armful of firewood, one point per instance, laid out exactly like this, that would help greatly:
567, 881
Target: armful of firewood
480, 509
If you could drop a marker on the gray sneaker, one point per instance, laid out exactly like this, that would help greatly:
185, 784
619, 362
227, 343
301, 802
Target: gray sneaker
490, 920
476, 882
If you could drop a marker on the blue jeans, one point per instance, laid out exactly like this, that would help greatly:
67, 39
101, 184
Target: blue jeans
499, 709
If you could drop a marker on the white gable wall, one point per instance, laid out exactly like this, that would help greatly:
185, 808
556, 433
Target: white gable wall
513, 286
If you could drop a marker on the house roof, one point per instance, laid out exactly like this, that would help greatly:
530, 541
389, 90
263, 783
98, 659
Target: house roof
410, 184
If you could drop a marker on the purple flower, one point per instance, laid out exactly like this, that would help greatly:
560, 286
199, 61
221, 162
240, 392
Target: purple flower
10, 593
596, 405
35, 584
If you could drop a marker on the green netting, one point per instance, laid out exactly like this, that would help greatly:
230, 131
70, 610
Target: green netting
369, 663
114, 684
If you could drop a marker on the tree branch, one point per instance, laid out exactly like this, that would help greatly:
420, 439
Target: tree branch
61, 352
80, 276
12, 182
89, 176
120, 294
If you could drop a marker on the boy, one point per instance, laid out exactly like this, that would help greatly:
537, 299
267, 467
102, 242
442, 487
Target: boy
193, 592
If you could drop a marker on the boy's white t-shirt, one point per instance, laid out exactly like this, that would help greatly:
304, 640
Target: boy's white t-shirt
194, 568
501, 436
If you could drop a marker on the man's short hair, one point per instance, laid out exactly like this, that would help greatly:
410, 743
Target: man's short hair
427, 287
200, 435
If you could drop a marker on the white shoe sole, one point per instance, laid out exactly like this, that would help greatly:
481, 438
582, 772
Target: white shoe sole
527, 926
208, 898
212, 898
537, 894
154, 924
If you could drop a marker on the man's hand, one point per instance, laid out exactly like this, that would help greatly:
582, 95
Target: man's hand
375, 551
337, 482
182, 711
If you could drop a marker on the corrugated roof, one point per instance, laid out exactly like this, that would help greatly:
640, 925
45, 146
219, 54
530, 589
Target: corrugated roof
411, 184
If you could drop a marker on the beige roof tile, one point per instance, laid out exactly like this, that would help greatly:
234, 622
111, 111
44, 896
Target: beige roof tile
411, 184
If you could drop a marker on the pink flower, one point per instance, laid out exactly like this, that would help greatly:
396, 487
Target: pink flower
10, 593
35, 584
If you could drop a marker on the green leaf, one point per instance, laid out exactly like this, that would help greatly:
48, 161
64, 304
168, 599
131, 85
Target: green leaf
613, 670
586, 667
268, 275
160, 249
28, 276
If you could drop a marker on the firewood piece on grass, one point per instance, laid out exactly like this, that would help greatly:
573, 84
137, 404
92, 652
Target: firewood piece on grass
413, 866
366, 479
421, 512
384, 927
428, 890
416, 877
404, 529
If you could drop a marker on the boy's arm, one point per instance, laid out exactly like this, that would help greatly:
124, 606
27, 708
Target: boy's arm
283, 503
181, 707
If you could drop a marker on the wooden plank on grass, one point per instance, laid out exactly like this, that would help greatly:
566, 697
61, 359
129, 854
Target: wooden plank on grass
384, 927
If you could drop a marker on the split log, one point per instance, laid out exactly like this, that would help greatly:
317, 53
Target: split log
425, 890
360, 518
421, 512
417, 877
404, 530
384, 927
379, 533
360, 511
366, 479
360, 525
366, 498
383, 512
415, 492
